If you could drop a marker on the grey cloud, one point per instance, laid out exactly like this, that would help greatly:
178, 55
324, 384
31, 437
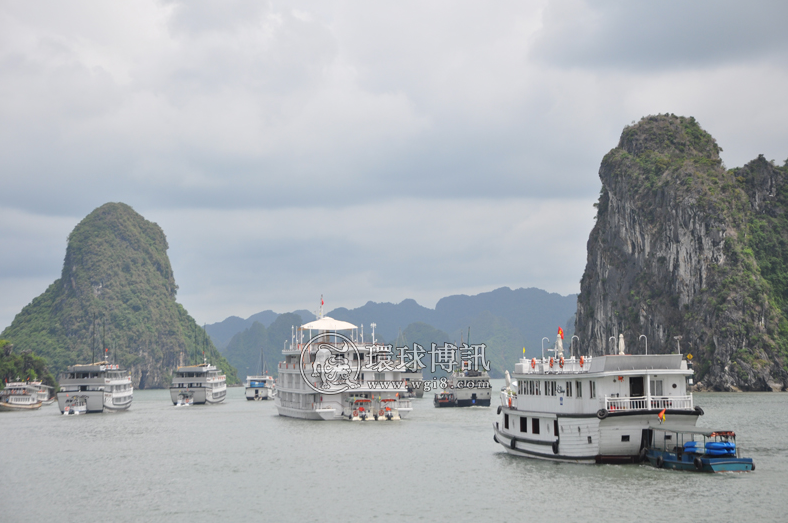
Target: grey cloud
649, 36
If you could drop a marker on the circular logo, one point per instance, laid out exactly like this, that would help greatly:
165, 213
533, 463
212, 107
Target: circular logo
330, 363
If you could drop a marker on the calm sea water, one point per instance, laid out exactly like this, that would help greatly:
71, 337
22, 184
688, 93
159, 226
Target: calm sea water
240, 461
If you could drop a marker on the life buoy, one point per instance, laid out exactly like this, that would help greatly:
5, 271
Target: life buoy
561, 362
581, 361
551, 363
510, 402
533, 363
355, 413
380, 413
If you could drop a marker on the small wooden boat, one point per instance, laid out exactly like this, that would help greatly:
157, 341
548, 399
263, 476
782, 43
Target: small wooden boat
445, 399
695, 450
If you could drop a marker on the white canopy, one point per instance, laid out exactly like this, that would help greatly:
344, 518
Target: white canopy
328, 324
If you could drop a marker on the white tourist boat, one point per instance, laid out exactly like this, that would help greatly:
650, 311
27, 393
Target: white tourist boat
75, 405
593, 410
198, 384
44, 392
260, 387
330, 373
102, 385
19, 395
466, 388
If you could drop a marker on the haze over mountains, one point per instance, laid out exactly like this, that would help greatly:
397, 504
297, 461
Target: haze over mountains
505, 320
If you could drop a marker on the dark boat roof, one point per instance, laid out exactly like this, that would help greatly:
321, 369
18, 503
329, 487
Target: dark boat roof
684, 430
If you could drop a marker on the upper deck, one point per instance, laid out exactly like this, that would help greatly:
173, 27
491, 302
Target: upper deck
99, 373
626, 364
615, 383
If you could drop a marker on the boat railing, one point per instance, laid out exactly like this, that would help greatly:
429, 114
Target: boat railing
404, 404
614, 403
553, 365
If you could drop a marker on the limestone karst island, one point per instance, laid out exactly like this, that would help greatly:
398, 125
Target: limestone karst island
685, 251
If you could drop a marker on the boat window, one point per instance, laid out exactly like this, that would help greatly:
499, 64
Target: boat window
625, 437
579, 389
534, 425
555, 427
568, 389
523, 424
506, 421
592, 389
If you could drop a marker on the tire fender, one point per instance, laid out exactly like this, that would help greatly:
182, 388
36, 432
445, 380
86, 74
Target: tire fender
601, 413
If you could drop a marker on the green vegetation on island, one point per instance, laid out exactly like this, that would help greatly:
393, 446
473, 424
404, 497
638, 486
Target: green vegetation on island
22, 367
115, 299
685, 247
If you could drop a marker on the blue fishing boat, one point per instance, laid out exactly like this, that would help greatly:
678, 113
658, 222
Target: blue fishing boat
698, 450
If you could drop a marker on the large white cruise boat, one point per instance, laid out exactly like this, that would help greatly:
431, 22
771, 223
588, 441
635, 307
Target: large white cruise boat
330, 373
44, 392
101, 384
593, 410
19, 395
198, 384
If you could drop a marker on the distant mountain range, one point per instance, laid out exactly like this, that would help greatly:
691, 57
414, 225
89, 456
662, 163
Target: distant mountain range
505, 320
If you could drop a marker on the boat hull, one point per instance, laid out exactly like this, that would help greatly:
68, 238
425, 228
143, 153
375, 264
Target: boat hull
94, 400
462, 403
312, 414
687, 463
258, 393
200, 396
9, 407
582, 438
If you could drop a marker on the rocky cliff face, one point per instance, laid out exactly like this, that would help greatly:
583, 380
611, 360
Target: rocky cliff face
684, 247
115, 300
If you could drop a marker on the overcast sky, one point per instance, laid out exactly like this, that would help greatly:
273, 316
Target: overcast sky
360, 150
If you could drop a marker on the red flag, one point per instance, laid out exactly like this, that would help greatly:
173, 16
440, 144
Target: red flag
321, 301
561, 332
661, 416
